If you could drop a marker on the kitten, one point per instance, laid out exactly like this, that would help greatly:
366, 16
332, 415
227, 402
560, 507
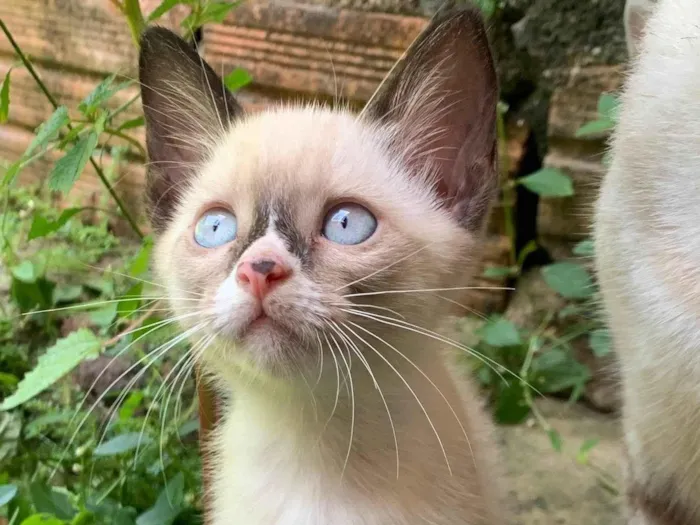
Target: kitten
647, 241
302, 247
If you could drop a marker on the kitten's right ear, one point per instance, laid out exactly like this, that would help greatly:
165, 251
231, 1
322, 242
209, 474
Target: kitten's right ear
637, 13
186, 107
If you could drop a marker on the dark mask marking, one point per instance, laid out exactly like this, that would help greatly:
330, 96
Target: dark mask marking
296, 243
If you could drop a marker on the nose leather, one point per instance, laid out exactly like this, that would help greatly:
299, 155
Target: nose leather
259, 276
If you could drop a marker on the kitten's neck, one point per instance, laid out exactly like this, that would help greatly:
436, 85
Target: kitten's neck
321, 418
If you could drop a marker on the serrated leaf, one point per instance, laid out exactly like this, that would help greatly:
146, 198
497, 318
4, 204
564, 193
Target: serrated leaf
55, 363
133, 123
49, 129
554, 439
568, 279
7, 494
69, 167
122, 443
599, 341
584, 248
585, 450
595, 127
51, 419
163, 8
237, 79
41, 227
168, 505
608, 106
101, 94
500, 333
5, 98
548, 182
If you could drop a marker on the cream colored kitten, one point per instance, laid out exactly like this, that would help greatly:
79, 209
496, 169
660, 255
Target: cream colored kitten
647, 235
302, 247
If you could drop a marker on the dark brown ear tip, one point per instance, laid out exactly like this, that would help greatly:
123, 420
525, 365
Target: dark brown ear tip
462, 13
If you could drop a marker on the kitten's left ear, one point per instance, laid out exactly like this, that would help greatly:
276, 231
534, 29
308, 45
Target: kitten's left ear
187, 108
441, 101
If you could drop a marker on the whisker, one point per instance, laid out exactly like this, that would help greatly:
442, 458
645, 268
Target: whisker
384, 268
414, 365
376, 385
385, 292
352, 417
438, 337
375, 307
415, 396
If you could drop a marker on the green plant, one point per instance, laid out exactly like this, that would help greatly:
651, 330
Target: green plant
79, 299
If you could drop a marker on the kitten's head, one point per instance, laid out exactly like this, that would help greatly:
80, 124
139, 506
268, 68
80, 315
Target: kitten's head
279, 233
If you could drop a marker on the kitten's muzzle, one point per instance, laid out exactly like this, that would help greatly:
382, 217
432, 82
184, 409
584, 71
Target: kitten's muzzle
259, 275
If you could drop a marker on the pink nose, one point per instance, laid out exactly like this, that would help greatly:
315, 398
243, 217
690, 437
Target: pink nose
260, 275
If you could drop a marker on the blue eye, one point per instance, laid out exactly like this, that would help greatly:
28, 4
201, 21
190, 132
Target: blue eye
349, 224
216, 228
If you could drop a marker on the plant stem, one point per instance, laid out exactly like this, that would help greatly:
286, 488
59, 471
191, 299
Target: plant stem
54, 103
507, 188
134, 17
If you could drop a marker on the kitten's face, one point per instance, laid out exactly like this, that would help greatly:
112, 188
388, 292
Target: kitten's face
280, 234
320, 200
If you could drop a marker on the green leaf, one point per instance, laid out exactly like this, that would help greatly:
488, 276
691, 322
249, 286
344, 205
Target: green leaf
188, 427
599, 341
556, 370
595, 127
131, 124
52, 419
585, 450
29, 295
554, 439
584, 248
548, 182
568, 279
488, 7
497, 272
500, 333
49, 129
67, 293
169, 504
130, 405
69, 167
128, 307
42, 519
11, 173
41, 226
25, 272
122, 443
529, 248
511, 404
50, 501
10, 434
55, 363
608, 107
102, 92
5, 98
140, 262
237, 79
104, 316
163, 8
216, 12
7, 494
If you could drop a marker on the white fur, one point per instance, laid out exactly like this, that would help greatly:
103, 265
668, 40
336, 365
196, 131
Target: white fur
647, 235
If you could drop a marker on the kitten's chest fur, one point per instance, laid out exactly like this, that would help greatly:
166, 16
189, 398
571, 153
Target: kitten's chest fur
277, 465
